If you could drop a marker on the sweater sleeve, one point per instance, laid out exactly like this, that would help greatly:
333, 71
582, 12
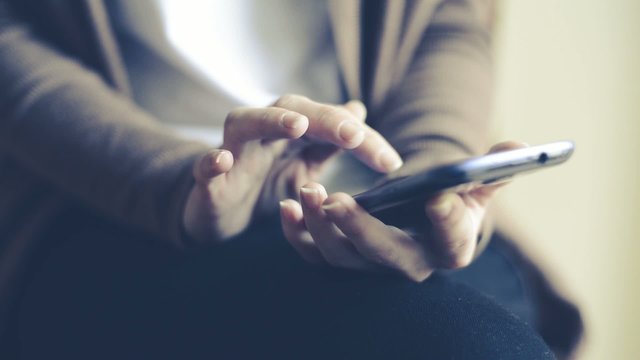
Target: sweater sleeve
64, 123
439, 110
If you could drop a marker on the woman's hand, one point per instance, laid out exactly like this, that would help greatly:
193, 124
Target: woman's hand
268, 153
336, 230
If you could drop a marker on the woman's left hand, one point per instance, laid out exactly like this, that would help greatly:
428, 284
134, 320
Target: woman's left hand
336, 230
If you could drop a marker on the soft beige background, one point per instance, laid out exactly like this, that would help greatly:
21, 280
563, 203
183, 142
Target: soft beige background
570, 69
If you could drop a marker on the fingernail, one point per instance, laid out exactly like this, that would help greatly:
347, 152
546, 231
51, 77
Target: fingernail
292, 121
334, 208
349, 131
336, 205
311, 196
390, 160
283, 204
443, 207
221, 155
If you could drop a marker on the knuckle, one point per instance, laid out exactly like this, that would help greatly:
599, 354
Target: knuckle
357, 108
232, 116
328, 113
266, 116
373, 134
231, 121
286, 100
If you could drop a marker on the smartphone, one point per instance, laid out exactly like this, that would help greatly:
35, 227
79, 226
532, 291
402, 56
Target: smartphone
487, 169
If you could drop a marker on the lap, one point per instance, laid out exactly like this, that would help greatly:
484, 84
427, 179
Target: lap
103, 293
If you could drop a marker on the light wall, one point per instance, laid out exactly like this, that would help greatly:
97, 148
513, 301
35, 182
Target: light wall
570, 69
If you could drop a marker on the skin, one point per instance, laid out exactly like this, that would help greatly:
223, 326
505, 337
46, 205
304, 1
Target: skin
276, 152
268, 154
335, 230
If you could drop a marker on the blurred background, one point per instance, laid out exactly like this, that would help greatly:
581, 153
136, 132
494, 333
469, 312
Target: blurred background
571, 70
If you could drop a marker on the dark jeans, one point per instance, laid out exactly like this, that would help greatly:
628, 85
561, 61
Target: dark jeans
101, 293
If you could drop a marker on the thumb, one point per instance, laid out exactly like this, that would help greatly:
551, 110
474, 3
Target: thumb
212, 164
454, 231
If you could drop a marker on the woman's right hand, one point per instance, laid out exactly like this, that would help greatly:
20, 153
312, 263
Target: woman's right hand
268, 154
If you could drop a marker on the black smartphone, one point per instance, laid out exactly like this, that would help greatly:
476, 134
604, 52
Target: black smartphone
475, 171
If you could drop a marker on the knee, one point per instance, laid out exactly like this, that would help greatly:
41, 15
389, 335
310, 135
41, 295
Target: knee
436, 319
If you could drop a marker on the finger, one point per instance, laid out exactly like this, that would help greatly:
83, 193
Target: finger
212, 164
384, 245
333, 124
246, 124
334, 246
454, 233
507, 145
357, 108
377, 153
317, 155
338, 125
295, 231
375, 150
485, 192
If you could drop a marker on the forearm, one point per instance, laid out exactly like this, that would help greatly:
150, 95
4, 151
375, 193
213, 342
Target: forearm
65, 124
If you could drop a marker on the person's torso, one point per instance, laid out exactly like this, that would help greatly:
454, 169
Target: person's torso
218, 55
190, 63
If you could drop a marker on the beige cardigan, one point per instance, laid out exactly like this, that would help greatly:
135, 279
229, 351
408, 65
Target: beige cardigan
71, 136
